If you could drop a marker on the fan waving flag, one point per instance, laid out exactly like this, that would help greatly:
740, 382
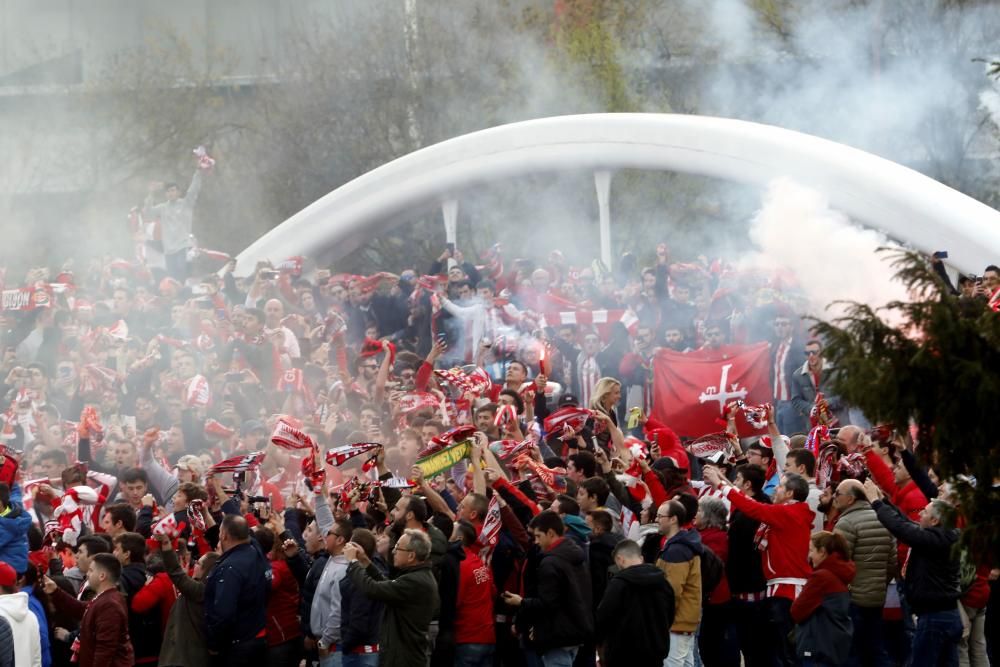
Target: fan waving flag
242, 463
691, 390
567, 419
338, 456
287, 436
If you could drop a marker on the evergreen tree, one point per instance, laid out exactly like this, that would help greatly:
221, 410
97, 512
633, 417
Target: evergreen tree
933, 362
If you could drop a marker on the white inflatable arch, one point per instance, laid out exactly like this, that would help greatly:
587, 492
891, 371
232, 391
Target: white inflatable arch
873, 191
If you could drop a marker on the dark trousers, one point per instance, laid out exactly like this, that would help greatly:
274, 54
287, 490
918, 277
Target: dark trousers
717, 640
751, 632
243, 654
287, 654
777, 613
935, 641
867, 646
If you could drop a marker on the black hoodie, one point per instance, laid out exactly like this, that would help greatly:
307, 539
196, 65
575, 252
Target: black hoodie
633, 617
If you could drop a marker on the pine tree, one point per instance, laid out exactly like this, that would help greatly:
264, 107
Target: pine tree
933, 361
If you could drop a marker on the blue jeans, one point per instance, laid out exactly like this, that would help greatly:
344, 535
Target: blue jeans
789, 420
335, 659
936, 640
474, 655
560, 657
360, 659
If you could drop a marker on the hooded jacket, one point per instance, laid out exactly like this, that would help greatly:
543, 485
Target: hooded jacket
680, 561
561, 612
637, 607
601, 561
578, 531
14, 526
27, 645
822, 613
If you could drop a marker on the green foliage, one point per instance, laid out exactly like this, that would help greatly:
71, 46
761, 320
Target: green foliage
933, 361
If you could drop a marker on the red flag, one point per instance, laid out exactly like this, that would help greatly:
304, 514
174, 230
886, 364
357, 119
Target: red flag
692, 389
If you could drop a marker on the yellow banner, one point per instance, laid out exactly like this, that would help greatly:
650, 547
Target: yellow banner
437, 463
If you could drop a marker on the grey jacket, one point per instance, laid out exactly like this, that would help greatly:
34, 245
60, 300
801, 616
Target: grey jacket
175, 217
873, 550
184, 637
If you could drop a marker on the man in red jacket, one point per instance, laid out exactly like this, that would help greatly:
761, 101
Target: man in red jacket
104, 640
783, 537
467, 593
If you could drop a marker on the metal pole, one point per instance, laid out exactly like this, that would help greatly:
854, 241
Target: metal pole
449, 210
602, 181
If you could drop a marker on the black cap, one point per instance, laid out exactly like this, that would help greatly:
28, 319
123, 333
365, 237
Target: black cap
568, 399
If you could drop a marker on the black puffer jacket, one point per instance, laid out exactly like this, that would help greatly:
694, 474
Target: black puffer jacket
932, 580
561, 612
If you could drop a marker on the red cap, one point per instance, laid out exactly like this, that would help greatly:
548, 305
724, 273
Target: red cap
8, 577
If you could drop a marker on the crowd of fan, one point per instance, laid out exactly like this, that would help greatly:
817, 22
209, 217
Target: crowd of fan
123, 543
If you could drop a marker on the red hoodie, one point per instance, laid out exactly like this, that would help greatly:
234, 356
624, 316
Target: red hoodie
282, 605
669, 443
786, 554
833, 575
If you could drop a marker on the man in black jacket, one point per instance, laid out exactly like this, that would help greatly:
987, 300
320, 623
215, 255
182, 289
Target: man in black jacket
560, 614
744, 572
638, 605
361, 616
144, 629
930, 575
236, 598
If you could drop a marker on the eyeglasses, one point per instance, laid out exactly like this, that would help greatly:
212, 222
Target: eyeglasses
662, 516
395, 549
812, 353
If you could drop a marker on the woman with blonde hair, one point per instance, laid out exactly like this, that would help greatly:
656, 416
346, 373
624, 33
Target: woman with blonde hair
607, 392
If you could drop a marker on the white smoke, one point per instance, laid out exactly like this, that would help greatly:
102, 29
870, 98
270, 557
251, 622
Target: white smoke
831, 257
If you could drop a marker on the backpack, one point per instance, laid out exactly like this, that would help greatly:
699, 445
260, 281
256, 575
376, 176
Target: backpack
712, 571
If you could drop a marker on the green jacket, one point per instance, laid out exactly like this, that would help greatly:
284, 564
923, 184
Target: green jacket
411, 602
873, 550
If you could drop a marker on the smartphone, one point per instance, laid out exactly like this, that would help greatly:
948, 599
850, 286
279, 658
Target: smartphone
234, 378
205, 304
941, 254
269, 275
